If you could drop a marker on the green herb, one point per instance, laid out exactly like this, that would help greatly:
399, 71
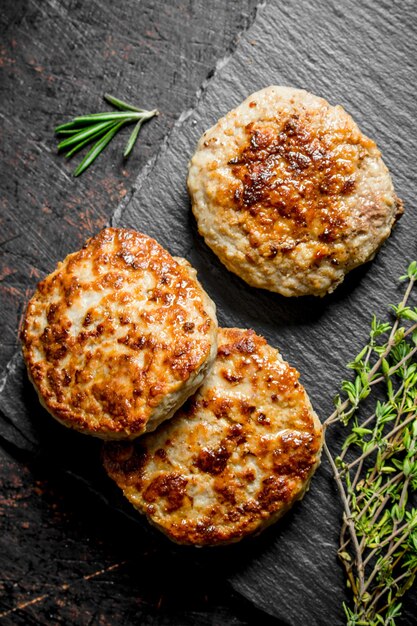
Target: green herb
376, 471
101, 128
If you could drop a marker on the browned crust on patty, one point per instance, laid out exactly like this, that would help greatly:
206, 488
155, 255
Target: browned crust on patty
117, 334
234, 458
290, 172
290, 194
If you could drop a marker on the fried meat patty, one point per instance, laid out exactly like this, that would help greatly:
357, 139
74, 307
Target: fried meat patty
118, 336
234, 458
289, 193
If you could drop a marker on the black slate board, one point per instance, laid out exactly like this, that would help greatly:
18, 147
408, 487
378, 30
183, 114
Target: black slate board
359, 54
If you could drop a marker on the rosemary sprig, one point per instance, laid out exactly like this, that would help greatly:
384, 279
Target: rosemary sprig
376, 470
101, 128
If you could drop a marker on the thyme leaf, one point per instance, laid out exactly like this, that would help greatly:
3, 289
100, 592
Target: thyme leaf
376, 468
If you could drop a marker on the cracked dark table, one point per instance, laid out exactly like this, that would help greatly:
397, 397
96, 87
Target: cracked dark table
71, 552
62, 561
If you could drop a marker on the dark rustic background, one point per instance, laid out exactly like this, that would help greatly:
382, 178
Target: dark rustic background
68, 556
61, 560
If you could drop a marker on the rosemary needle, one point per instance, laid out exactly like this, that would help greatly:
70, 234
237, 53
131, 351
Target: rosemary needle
96, 149
101, 127
83, 134
96, 135
119, 104
132, 139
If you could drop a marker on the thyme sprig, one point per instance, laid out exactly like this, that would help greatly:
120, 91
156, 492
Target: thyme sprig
101, 128
376, 470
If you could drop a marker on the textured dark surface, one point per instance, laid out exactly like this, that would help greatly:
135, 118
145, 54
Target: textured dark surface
359, 54
57, 59
60, 548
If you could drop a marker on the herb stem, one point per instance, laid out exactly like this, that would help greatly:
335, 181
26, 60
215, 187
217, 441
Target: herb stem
376, 446
385, 543
102, 126
390, 552
348, 519
377, 494
376, 469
